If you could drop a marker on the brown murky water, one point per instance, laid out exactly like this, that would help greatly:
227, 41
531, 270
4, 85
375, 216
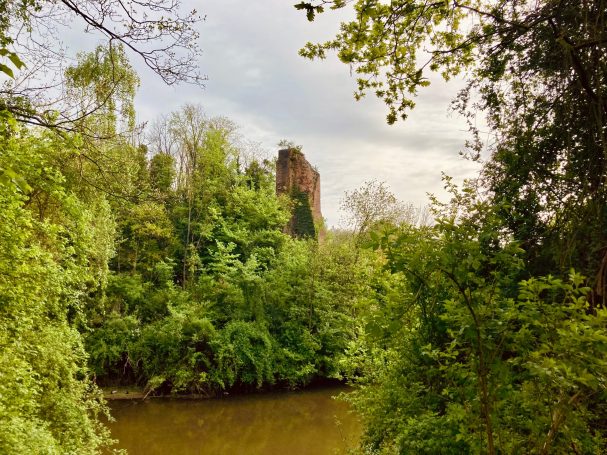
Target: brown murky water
289, 423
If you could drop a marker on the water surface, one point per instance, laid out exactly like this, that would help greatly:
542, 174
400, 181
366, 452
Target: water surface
290, 423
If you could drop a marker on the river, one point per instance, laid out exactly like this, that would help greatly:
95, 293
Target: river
291, 423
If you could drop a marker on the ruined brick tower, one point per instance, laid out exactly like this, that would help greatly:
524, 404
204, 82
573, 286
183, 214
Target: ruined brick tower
297, 178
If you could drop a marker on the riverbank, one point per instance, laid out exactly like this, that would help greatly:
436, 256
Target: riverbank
140, 393
133, 393
123, 393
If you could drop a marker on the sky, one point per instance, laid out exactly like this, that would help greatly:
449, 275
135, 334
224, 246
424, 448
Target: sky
257, 79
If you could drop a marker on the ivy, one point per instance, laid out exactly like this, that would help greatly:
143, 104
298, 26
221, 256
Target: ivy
303, 220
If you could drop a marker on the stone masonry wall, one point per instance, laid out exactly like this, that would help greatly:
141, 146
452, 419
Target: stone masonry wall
294, 175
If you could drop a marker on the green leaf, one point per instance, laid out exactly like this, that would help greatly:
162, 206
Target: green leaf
6, 70
16, 60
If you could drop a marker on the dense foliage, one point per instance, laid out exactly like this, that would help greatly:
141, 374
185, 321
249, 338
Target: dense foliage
206, 291
161, 264
167, 270
493, 344
468, 357
536, 71
54, 247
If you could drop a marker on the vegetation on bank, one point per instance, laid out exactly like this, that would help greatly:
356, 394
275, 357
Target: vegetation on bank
206, 291
495, 343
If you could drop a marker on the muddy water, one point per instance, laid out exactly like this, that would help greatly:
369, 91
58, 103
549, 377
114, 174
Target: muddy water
289, 423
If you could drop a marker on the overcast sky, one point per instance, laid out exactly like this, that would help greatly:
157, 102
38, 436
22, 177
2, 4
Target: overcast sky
257, 79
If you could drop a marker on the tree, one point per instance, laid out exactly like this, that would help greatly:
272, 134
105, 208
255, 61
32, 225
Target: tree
473, 364
101, 87
54, 248
384, 42
205, 159
162, 173
465, 357
536, 70
56, 223
155, 31
374, 203
148, 236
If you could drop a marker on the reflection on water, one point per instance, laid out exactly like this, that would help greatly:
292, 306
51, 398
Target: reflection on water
293, 423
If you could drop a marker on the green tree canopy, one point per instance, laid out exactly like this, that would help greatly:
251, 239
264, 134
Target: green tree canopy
159, 33
537, 71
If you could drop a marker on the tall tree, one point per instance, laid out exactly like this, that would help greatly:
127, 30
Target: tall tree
374, 203
156, 31
471, 359
537, 71
55, 244
102, 87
